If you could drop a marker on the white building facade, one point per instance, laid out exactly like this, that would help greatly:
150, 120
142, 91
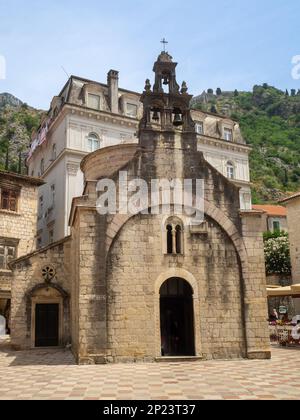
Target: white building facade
88, 115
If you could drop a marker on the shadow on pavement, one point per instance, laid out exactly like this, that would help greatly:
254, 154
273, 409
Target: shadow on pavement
42, 357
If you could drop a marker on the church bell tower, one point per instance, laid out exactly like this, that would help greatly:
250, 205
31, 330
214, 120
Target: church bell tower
166, 105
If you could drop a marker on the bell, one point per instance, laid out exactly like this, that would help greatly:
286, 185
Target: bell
155, 115
178, 120
166, 80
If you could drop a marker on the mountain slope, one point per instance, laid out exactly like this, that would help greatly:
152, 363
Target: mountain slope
270, 123
17, 122
269, 119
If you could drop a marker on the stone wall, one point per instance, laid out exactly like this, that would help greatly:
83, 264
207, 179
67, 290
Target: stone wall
119, 308
293, 215
88, 287
255, 291
20, 225
135, 264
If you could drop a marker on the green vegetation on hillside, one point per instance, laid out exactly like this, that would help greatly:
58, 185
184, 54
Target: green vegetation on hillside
270, 123
17, 122
269, 119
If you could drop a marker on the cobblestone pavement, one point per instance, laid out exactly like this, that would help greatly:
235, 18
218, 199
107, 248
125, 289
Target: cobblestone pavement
53, 375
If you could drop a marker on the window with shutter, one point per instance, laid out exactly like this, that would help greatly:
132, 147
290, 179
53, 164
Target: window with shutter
228, 134
13, 201
4, 200
9, 200
10, 253
7, 254
93, 142
199, 127
94, 101
131, 110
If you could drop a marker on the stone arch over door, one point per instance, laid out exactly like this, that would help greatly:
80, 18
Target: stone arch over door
190, 279
50, 295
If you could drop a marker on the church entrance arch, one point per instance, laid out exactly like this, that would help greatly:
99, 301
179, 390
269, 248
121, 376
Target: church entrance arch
177, 318
47, 315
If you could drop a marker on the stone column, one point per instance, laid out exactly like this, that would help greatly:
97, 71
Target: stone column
254, 283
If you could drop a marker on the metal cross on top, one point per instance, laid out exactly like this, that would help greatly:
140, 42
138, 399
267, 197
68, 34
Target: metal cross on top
164, 42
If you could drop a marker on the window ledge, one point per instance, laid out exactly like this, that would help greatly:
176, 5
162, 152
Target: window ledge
9, 212
174, 255
6, 273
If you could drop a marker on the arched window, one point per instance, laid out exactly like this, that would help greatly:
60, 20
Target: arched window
230, 170
174, 239
93, 142
169, 239
178, 239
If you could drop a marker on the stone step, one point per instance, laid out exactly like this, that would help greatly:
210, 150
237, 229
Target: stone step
178, 359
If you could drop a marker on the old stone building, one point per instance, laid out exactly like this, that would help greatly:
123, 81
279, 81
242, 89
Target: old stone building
18, 213
86, 116
292, 204
275, 217
149, 285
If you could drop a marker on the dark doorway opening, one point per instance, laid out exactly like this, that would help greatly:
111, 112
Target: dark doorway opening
177, 318
5, 305
47, 325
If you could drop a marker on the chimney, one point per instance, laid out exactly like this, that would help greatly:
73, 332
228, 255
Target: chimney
113, 90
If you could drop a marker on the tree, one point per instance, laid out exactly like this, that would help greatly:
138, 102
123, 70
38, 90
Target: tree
236, 92
210, 91
219, 91
293, 92
277, 253
7, 159
287, 93
20, 163
213, 109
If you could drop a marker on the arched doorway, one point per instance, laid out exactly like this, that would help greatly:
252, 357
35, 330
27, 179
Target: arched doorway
47, 316
177, 318
47, 324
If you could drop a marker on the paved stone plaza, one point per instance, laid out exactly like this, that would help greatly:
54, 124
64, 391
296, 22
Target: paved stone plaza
54, 375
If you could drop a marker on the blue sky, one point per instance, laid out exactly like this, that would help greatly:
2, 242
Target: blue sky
232, 44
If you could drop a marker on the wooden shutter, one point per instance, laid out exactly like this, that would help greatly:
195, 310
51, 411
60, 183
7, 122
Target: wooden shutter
11, 251
12, 201
5, 200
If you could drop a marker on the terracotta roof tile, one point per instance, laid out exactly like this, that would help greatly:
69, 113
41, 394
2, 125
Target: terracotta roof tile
272, 210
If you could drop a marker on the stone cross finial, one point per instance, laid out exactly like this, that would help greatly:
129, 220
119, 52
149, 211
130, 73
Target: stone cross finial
147, 85
164, 42
184, 88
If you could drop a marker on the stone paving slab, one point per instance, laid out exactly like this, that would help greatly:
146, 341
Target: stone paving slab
44, 375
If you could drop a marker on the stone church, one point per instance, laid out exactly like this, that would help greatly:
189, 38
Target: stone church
146, 287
